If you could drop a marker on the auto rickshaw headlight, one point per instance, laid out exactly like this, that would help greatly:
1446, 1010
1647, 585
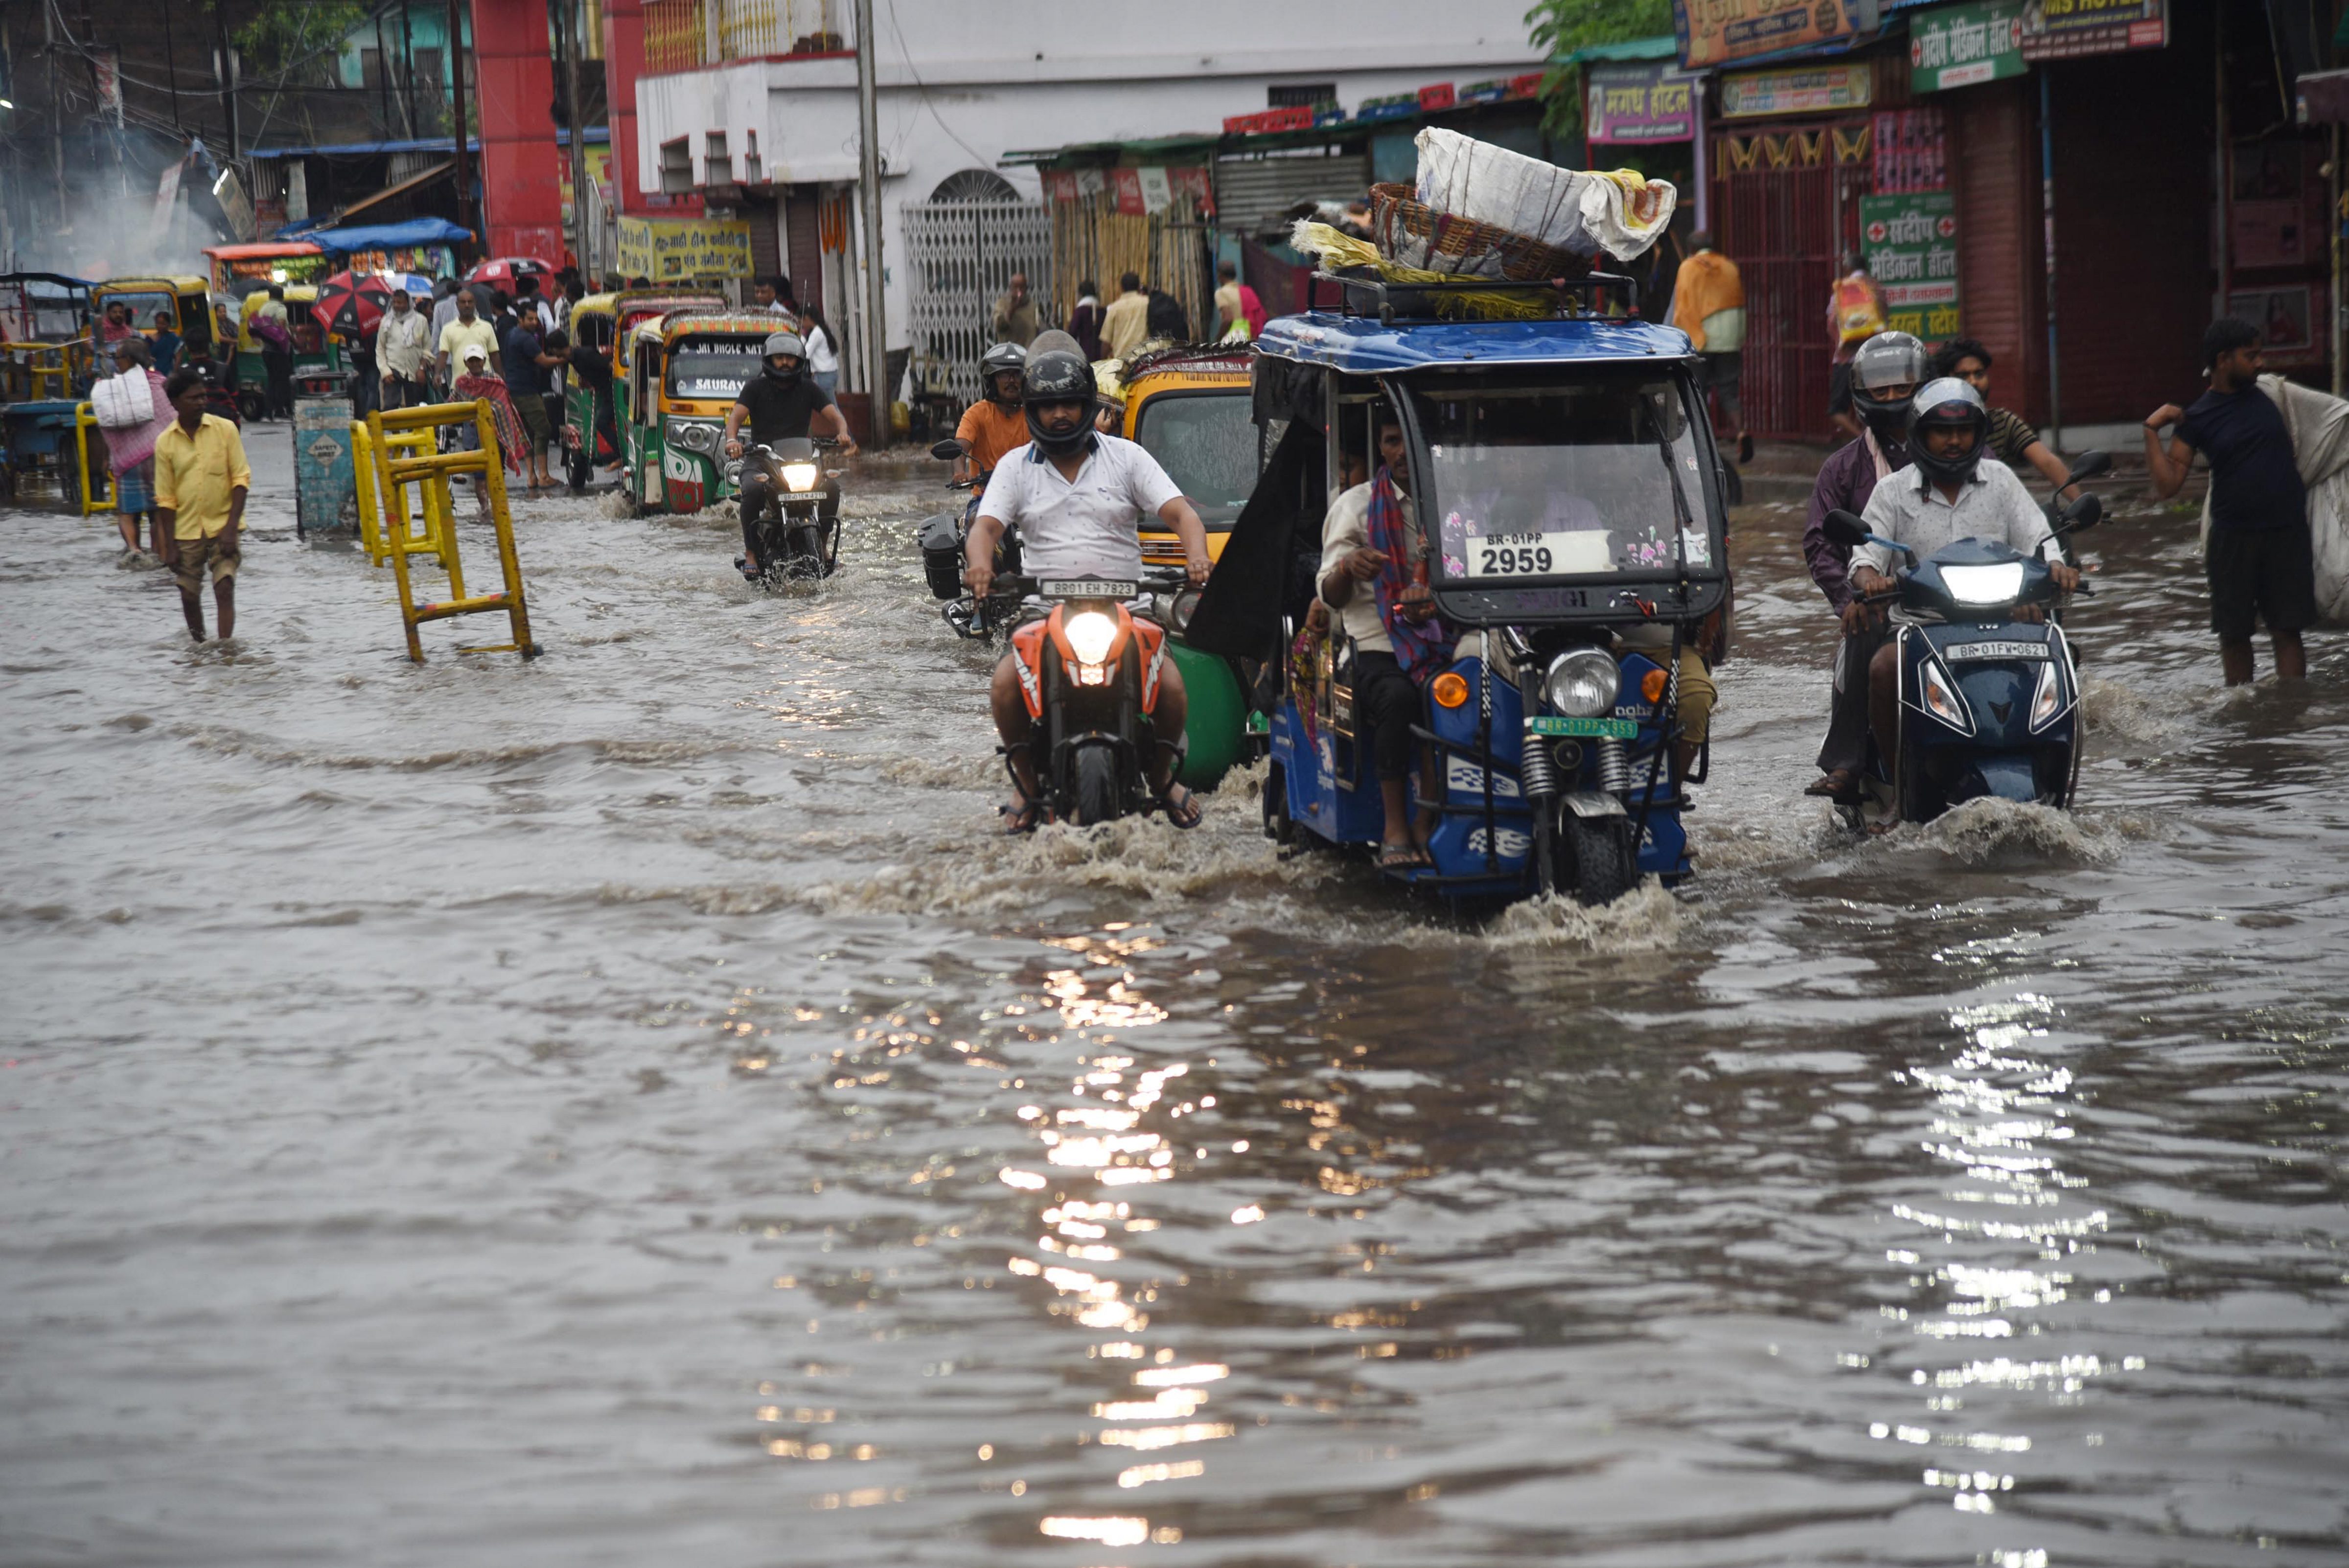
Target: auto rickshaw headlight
798, 477
694, 437
1584, 683
1090, 633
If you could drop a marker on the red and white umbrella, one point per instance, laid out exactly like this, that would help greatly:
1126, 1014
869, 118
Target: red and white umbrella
502, 271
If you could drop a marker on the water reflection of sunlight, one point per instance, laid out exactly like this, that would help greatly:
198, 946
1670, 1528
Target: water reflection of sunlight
1999, 1113
1103, 1134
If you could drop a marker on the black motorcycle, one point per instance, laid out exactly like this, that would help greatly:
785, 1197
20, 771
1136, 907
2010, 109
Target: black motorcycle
799, 536
944, 538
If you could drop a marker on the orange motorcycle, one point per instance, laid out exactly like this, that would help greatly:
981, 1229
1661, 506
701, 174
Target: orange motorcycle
1089, 672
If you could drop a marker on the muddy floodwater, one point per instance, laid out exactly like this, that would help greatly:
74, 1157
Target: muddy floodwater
632, 1109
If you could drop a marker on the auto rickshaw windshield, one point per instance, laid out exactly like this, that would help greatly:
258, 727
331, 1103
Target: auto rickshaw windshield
1550, 480
144, 303
1207, 442
713, 366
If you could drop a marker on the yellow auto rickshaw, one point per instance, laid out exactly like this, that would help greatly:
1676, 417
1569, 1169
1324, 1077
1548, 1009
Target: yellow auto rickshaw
1192, 410
185, 301
687, 370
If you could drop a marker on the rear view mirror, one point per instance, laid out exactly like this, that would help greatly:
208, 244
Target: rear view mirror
1844, 529
2085, 513
950, 449
2090, 465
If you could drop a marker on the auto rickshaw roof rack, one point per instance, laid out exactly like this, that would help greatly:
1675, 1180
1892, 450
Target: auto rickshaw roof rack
1388, 300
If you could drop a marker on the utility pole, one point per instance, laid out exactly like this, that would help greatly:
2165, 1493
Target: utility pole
227, 61
172, 65
56, 112
569, 12
456, 55
877, 335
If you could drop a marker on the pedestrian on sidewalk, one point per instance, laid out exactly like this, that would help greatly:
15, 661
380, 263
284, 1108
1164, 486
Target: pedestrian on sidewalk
1708, 305
274, 332
1085, 320
200, 482
130, 450
1016, 319
165, 343
2012, 439
1126, 322
525, 363
400, 353
2258, 558
1855, 315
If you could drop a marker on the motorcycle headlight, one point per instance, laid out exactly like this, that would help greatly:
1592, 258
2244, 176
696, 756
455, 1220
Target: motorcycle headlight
1583, 684
1089, 635
798, 477
1992, 585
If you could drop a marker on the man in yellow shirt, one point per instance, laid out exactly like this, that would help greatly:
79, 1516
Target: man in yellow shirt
1708, 305
1126, 322
468, 327
201, 481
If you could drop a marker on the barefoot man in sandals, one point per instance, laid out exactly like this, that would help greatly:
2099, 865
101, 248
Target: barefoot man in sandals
1079, 497
1373, 580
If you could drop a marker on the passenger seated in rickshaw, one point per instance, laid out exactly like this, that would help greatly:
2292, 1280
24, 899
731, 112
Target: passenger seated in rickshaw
1373, 584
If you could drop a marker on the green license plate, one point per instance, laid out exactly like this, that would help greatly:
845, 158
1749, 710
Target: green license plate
1258, 723
1614, 729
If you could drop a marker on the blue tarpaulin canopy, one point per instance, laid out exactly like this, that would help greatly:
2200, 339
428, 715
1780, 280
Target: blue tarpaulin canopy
390, 236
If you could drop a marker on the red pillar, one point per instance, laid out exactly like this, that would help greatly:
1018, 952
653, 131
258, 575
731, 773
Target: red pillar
623, 55
521, 186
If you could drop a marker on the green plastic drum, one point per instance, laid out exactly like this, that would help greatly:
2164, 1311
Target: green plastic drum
1216, 726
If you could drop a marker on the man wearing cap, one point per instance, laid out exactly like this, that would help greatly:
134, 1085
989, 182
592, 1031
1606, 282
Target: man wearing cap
782, 402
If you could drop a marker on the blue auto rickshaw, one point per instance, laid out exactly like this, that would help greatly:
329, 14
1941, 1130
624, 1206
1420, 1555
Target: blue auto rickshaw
1565, 481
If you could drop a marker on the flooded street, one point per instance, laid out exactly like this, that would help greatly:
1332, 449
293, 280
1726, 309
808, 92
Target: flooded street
631, 1107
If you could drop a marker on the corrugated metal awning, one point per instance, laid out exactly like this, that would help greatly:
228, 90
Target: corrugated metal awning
1251, 193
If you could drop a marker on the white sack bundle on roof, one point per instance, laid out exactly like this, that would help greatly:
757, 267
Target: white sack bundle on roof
1622, 212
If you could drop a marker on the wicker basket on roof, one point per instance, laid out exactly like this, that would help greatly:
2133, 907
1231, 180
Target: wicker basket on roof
1411, 234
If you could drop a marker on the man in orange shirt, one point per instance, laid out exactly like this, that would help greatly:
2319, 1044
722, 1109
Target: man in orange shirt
998, 422
1708, 305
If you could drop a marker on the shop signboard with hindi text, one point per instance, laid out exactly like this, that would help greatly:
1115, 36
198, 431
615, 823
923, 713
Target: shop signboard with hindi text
1912, 242
1815, 90
1962, 46
685, 250
1722, 32
2066, 29
1638, 104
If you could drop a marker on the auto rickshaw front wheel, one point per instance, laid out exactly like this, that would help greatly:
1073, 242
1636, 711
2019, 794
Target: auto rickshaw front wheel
1599, 850
251, 406
578, 468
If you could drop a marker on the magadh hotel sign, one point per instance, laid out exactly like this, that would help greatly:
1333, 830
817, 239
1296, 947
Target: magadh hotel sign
1819, 89
678, 250
1962, 45
1719, 32
1639, 103
2066, 29
1912, 242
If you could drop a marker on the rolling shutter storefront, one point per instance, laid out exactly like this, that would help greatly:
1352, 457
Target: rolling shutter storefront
1252, 193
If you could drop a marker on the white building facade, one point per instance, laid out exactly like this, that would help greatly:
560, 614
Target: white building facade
771, 133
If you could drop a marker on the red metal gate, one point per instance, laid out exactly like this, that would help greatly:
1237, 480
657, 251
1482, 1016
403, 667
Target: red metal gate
1785, 208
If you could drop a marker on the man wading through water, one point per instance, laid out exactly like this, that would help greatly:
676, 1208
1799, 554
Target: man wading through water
2258, 557
201, 481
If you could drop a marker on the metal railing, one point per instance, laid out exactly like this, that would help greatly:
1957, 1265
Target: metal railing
682, 34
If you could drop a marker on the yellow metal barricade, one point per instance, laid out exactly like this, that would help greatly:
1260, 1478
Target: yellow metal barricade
430, 472
438, 539
84, 421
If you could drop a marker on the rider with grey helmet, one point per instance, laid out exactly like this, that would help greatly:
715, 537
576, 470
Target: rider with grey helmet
1885, 373
1079, 496
782, 402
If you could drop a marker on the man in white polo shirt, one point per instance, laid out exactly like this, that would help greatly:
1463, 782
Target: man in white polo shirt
1079, 497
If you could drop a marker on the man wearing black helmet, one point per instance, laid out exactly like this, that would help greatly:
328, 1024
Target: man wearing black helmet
997, 424
1884, 375
1079, 497
782, 402
1955, 490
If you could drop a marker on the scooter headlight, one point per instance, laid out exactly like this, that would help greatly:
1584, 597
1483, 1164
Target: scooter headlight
798, 477
1941, 700
1090, 633
1999, 584
1583, 684
2048, 701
